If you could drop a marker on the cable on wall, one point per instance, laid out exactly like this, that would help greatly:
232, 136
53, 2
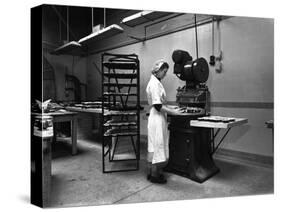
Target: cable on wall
212, 57
196, 38
213, 36
67, 24
104, 17
92, 19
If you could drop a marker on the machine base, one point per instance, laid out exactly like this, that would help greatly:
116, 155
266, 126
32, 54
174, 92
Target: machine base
199, 175
190, 153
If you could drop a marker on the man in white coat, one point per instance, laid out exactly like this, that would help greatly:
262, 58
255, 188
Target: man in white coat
158, 135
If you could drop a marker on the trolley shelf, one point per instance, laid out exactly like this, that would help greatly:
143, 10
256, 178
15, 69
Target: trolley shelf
121, 132
119, 113
119, 94
121, 65
124, 108
121, 75
120, 84
113, 123
120, 122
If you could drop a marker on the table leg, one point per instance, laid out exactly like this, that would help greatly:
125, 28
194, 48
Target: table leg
74, 135
272, 139
55, 132
217, 146
46, 170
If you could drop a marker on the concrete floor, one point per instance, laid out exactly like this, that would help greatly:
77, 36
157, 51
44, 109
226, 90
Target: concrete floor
78, 180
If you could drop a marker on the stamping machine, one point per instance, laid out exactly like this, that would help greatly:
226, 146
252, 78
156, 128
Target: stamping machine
190, 147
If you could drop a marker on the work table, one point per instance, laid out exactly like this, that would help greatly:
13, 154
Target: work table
64, 116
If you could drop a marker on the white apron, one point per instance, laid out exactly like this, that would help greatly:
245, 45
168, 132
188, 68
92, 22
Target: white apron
158, 135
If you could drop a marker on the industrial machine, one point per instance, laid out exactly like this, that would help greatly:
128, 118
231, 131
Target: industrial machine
190, 147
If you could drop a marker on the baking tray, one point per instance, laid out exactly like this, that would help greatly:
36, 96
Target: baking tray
113, 123
120, 132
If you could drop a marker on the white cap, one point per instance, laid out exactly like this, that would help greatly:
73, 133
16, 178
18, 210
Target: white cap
157, 65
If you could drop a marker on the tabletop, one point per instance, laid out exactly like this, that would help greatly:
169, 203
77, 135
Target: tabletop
55, 113
218, 124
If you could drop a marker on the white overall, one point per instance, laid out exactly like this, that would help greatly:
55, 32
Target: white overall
158, 135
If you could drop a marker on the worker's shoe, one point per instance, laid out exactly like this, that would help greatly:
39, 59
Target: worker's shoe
160, 179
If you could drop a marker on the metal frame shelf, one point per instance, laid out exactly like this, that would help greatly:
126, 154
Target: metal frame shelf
120, 118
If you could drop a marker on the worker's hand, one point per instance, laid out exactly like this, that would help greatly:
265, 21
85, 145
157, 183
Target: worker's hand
179, 111
182, 110
172, 110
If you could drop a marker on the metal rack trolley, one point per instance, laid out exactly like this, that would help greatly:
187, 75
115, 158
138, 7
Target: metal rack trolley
120, 111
